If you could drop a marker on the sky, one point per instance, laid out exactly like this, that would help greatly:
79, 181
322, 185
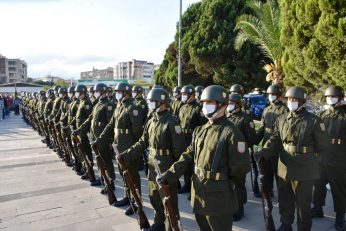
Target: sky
64, 37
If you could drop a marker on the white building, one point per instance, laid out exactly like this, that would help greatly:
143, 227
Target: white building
12, 70
135, 70
95, 74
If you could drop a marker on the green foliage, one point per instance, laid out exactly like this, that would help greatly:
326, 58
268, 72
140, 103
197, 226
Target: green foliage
314, 35
208, 54
29, 80
61, 83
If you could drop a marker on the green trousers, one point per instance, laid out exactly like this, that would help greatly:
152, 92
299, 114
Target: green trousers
214, 223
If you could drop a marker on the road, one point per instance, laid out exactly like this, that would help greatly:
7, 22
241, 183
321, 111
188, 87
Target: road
38, 192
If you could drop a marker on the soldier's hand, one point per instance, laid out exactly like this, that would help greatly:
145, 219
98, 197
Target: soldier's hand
163, 179
258, 155
76, 132
95, 142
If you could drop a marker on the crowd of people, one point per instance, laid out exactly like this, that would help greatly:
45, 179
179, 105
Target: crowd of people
7, 104
206, 135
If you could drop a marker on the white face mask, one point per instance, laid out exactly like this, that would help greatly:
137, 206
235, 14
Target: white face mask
272, 98
196, 94
332, 100
230, 107
134, 94
118, 96
292, 105
184, 98
152, 105
97, 94
47, 94
76, 94
175, 94
60, 95
70, 95
208, 109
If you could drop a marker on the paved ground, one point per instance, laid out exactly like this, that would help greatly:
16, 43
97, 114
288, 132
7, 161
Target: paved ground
38, 192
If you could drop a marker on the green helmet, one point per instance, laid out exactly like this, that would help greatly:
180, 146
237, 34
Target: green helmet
100, 87
237, 88
80, 88
177, 90
159, 94
199, 89
296, 92
215, 92
62, 90
189, 89
50, 91
71, 90
125, 87
157, 86
91, 89
137, 89
235, 98
56, 88
334, 91
274, 89
42, 93
34, 94
110, 89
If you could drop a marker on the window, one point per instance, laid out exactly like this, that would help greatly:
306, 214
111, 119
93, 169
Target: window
12, 63
12, 69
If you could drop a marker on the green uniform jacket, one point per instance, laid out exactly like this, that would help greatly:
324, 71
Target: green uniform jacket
126, 123
55, 110
269, 116
73, 112
335, 121
162, 132
142, 105
176, 105
99, 118
208, 195
64, 109
298, 147
48, 108
245, 125
84, 110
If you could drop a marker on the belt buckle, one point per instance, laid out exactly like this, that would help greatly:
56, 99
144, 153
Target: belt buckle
339, 141
333, 141
305, 149
217, 176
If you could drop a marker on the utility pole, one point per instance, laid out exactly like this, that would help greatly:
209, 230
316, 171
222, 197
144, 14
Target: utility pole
179, 49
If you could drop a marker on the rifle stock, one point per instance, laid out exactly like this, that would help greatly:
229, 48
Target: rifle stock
141, 217
266, 199
173, 215
90, 170
100, 163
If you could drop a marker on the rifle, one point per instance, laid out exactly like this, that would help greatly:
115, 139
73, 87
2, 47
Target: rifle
173, 215
90, 170
141, 217
101, 164
53, 134
67, 156
267, 204
254, 171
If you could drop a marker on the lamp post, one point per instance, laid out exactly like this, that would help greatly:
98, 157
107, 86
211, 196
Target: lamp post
179, 49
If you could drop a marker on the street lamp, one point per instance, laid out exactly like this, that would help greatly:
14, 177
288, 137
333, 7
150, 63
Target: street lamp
179, 49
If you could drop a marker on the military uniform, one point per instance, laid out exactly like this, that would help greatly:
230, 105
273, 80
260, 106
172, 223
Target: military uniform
176, 105
297, 136
47, 112
269, 117
142, 105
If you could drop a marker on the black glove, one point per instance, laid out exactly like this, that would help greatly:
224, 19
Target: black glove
122, 155
258, 155
163, 179
76, 132
95, 142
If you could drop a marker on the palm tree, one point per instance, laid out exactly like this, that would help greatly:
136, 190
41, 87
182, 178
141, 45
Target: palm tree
263, 30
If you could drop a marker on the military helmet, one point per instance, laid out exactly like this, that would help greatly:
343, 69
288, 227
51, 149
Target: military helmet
177, 90
157, 86
215, 92
274, 89
42, 93
62, 90
34, 94
237, 88
91, 89
137, 89
110, 89
100, 87
296, 92
189, 89
125, 87
159, 94
50, 91
80, 88
235, 98
334, 91
70, 89
199, 89
56, 88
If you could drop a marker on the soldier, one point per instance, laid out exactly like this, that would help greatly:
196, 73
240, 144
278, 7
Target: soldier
162, 134
333, 163
47, 111
127, 125
198, 92
216, 162
92, 97
110, 95
247, 127
269, 117
238, 89
96, 122
137, 95
40, 111
190, 117
84, 110
176, 104
297, 137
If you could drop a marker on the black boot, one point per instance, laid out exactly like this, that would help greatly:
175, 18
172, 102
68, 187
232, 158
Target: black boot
96, 182
285, 227
123, 202
132, 209
183, 189
239, 214
156, 227
316, 212
340, 221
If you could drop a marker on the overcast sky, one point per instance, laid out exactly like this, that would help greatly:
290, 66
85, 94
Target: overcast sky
65, 37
